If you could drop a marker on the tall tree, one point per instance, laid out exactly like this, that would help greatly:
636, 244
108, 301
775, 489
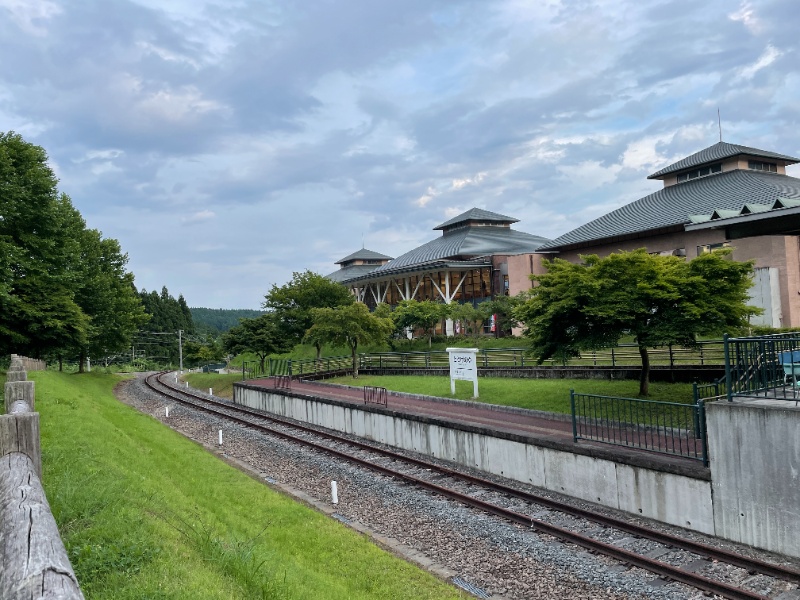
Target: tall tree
292, 303
348, 326
261, 336
107, 295
39, 249
659, 300
425, 315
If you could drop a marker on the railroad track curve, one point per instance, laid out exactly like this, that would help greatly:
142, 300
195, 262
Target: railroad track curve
464, 488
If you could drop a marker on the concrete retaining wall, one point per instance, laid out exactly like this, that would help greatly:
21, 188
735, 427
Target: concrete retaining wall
669, 497
755, 468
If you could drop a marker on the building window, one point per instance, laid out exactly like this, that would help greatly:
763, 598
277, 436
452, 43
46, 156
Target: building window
756, 165
709, 247
701, 172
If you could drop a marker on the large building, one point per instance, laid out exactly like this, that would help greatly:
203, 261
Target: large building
724, 195
468, 263
683, 218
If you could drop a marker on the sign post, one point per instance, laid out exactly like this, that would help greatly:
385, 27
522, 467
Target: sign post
463, 365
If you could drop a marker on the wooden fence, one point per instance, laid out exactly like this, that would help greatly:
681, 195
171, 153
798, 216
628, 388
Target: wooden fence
33, 561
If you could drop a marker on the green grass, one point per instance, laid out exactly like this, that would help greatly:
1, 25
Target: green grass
550, 395
145, 513
221, 384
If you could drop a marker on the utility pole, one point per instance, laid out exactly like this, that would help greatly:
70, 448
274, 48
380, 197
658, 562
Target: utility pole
180, 350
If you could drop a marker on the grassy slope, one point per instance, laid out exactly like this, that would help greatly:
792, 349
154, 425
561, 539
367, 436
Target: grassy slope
146, 513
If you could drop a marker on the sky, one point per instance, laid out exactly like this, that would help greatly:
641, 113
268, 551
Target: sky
228, 144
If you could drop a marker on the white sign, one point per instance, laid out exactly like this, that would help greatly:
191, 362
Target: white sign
463, 365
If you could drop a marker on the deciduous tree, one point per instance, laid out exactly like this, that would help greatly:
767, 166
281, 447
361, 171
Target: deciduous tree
659, 300
292, 303
423, 315
348, 326
261, 336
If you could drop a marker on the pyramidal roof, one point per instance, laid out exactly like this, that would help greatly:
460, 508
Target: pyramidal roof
477, 215
717, 152
363, 254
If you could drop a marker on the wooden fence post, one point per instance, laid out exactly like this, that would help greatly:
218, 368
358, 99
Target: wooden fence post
34, 561
20, 390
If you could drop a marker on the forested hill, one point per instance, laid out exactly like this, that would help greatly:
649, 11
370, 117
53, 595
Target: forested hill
220, 319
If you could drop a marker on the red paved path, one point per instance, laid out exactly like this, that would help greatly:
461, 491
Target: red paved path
556, 429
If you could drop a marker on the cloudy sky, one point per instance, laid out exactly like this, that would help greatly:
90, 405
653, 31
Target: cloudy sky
227, 144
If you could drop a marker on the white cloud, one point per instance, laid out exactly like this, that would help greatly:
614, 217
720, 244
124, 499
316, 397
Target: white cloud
769, 56
30, 15
198, 217
747, 16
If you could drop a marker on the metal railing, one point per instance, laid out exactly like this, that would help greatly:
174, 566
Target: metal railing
663, 427
706, 354
762, 366
281, 382
375, 395
316, 366
706, 391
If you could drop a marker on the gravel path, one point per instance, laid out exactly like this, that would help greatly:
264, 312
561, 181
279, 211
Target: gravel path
499, 559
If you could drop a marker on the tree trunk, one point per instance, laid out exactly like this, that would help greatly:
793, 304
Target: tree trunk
318, 346
355, 360
644, 378
81, 360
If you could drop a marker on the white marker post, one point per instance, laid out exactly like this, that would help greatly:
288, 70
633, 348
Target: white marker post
463, 365
167, 412
220, 437
210, 392
334, 493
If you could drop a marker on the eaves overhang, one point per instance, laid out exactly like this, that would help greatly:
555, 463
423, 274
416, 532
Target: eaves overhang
785, 221
421, 268
646, 234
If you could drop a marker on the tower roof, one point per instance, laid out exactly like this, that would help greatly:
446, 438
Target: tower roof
477, 215
363, 254
718, 152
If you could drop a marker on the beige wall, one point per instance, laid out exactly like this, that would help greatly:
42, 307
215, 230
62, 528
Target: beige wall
520, 268
780, 252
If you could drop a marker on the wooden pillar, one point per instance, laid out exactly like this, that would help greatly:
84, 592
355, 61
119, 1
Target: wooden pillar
19, 434
20, 390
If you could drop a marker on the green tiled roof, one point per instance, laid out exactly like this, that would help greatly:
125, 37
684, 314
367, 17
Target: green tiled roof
673, 205
464, 244
350, 272
477, 214
363, 254
716, 153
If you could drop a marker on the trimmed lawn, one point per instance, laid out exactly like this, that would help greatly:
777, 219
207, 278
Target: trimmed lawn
146, 513
551, 395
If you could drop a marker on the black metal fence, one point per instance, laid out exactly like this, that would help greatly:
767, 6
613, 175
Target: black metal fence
766, 366
664, 427
706, 354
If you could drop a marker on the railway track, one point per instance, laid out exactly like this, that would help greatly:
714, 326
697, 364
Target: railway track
698, 564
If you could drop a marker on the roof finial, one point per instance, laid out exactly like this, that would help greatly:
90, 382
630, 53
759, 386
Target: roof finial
719, 122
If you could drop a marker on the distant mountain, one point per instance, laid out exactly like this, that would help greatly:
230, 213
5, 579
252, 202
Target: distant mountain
220, 320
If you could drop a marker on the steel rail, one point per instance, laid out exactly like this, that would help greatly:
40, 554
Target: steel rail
625, 556
704, 550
